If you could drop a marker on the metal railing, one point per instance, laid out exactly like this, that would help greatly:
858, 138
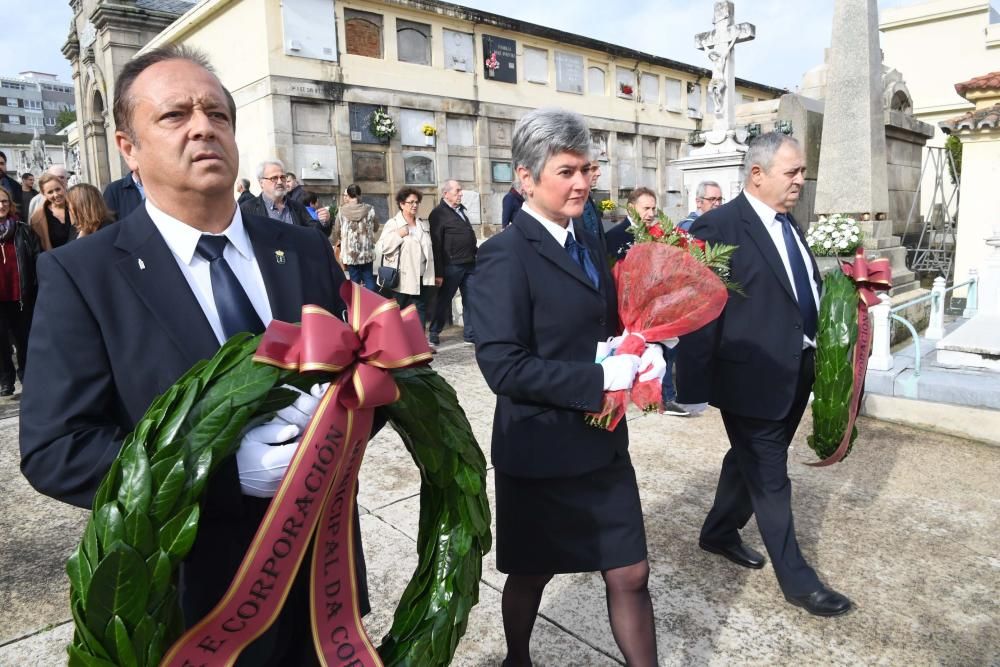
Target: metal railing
884, 313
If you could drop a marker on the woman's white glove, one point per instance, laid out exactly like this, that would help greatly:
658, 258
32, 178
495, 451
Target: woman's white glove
619, 371
651, 364
262, 458
301, 411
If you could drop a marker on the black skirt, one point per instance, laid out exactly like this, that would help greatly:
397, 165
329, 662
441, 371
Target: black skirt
557, 525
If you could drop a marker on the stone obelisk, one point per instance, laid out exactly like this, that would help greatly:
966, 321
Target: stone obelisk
852, 162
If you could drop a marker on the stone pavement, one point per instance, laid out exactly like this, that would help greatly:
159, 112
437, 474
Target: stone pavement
908, 527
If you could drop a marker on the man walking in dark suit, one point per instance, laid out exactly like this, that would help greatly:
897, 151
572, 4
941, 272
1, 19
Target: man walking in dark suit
454, 243
124, 195
243, 188
756, 364
123, 313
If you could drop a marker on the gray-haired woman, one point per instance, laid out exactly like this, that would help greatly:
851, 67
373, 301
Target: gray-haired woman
566, 493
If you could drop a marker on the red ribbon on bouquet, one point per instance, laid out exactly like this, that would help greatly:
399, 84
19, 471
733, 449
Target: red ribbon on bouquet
868, 277
315, 502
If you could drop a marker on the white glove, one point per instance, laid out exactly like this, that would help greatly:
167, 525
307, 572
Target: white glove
301, 411
619, 371
694, 408
651, 364
262, 459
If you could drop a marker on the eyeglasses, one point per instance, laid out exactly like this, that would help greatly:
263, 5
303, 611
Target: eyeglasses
712, 200
273, 179
409, 202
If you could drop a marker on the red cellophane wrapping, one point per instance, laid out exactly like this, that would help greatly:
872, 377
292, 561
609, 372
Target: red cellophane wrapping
663, 292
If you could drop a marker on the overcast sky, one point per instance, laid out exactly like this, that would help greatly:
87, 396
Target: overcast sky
790, 36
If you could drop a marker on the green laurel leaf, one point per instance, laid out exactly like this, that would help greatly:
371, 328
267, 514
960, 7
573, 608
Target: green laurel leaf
177, 535
119, 587
116, 635
110, 525
136, 487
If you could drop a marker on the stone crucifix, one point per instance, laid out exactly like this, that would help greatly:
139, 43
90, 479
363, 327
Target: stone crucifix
718, 45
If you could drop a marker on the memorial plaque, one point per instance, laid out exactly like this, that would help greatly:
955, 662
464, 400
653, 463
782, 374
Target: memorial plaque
360, 132
368, 166
625, 146
673, 90
461, 168
413, 40
418, 169
503, 172
311, 118
502, 53
624, 82
317, 162
461, 131
694, 97
649, 147
569, 73
411, 126
459, 51
600, 141
381, 205
501, 132
649, 88
596, 81
473, 208
536, 65
649, 178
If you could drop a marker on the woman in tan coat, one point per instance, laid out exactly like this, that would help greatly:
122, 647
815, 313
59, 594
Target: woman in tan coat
405, 244
52, 223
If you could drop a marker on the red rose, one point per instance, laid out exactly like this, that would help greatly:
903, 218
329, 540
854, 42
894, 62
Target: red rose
655, 231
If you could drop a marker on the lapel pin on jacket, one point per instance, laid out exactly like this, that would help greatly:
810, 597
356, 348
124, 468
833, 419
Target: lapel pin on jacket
142, 265
279, 256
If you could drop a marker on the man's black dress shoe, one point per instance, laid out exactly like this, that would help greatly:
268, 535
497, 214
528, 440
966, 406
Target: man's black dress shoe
739, 553
823, 602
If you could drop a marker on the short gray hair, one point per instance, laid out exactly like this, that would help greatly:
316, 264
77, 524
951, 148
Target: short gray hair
542, 133
264, 165
762, 150
447, 185
245, 182
700, 192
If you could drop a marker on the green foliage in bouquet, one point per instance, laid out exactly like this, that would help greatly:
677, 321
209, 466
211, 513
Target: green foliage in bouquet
123, 575
835, 339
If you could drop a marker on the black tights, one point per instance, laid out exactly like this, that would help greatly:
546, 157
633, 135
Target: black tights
630, 611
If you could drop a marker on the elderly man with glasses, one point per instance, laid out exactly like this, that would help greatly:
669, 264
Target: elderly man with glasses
707, 196
273, 201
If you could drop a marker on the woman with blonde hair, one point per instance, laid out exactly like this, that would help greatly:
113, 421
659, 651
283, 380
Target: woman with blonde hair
52, 222
87, 209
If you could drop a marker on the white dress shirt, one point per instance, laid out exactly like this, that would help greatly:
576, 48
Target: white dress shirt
773, 227
559, 233
182, 239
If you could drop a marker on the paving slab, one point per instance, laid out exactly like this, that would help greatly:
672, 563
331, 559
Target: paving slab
908, 527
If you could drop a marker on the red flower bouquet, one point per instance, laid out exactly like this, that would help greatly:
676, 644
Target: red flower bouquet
669, 284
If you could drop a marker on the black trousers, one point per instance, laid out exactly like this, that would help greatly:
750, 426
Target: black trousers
15, 323
754, 481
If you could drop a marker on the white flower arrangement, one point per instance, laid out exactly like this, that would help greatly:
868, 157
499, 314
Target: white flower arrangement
381, 124
833, 236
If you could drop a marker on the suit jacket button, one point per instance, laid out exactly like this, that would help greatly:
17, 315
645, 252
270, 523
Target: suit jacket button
798, 326
796, 356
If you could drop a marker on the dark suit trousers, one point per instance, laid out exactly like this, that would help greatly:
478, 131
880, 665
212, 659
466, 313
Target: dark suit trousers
456, 278
754, 480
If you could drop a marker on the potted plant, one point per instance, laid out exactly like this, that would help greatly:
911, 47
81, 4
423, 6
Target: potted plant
607, 208
429, 132
381, 124
833, 239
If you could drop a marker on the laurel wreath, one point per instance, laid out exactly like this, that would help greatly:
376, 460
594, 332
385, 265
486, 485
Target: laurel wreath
123, 575
837, 333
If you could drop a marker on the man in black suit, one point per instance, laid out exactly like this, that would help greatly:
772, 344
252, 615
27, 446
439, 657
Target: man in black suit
124, 195
123, 313
756, 364
454, 243
273, 201
243, 188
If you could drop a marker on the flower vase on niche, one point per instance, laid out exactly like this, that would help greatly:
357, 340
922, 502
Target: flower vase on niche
429, 140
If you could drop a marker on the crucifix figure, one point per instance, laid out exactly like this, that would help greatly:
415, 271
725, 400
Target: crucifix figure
718, 44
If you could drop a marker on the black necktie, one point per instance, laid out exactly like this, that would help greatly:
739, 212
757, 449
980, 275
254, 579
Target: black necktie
803, 287
582, 257
235, 310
